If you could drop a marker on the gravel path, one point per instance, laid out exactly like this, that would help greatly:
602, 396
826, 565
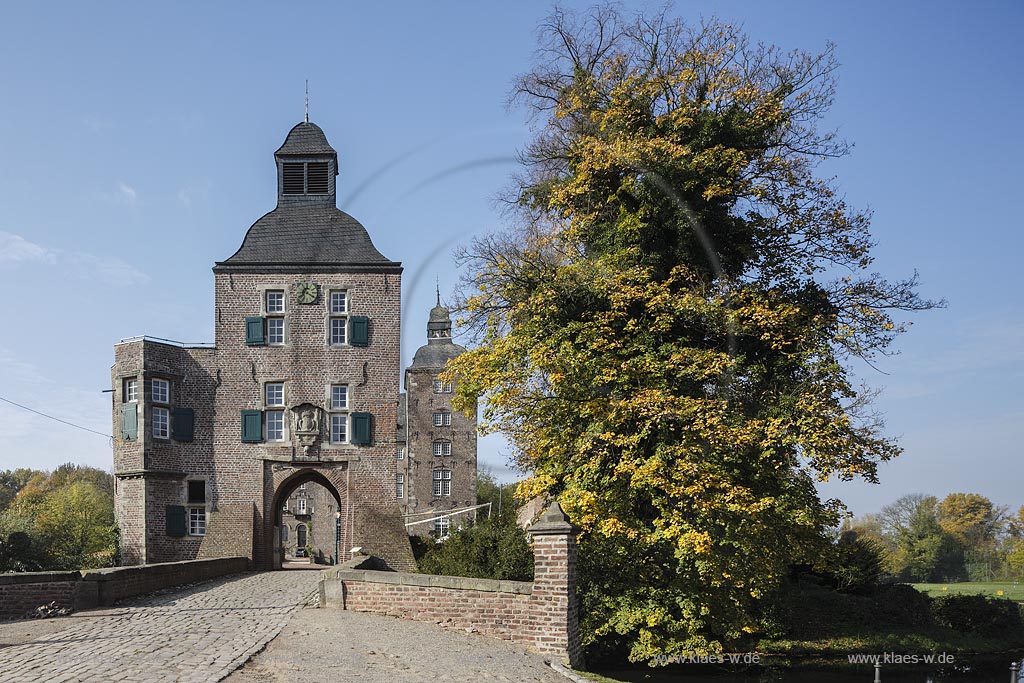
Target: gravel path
337, 645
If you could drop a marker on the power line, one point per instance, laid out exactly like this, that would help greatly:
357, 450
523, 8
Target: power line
51, 417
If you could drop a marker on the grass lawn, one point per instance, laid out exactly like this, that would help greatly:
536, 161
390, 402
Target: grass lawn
1010, 590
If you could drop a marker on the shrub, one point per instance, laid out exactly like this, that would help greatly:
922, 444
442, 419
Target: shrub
992, 617
494, 548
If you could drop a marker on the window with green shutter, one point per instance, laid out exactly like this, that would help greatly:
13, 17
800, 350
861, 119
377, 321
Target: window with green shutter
252, 426
182, 421
176, 521
254, 331
130, 421
359, 330
362, 429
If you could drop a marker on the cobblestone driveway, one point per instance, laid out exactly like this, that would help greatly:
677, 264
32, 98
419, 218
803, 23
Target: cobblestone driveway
197, 634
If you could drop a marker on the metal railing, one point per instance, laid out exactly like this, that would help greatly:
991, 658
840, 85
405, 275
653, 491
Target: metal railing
169, 342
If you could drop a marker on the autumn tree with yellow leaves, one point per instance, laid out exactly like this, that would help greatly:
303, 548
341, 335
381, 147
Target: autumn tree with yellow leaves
666, 332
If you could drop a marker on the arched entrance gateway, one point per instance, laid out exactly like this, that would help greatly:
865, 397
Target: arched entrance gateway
311, 516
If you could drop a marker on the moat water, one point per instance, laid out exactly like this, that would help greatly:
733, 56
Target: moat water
966, 669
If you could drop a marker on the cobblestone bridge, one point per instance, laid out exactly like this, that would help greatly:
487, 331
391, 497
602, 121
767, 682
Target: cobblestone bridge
204, 632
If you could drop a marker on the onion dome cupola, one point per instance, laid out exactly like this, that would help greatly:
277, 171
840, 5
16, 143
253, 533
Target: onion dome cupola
439, 348
307, 232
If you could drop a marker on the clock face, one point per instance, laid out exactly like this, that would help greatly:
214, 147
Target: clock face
306, 292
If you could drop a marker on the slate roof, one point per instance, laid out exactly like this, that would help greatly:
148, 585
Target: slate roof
305, 139
436, 354
308, 235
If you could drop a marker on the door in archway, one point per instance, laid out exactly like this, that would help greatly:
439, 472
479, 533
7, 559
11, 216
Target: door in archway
300, 540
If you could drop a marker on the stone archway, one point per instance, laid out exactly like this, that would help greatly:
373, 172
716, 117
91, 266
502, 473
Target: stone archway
285, 483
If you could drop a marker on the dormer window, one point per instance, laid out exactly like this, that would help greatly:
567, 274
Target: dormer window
310, 177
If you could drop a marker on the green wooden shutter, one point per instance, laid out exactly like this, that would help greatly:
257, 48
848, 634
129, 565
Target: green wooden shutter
252, 426
130, 421
362, 429
359, 330
176, 520
182, 421
254, 331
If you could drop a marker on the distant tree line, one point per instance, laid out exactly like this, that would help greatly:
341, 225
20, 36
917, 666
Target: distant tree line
57, 520
962, 537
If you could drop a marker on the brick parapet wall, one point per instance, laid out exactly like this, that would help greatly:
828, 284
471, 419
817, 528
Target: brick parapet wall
22, 593
543, 614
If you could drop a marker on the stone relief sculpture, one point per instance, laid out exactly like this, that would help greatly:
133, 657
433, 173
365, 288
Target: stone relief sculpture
306, 424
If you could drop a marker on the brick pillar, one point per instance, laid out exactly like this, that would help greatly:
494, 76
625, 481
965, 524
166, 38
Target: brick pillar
553, 609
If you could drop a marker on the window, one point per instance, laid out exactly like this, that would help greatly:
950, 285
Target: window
161, 391
338, 331
284, 531
400, 453
131, 390
442, 418
197, 507
339, 303
441, 527
339, 420
275, 302
302, 506
399, 486
161, 423
275, 425
339, 397
275, 331
302, 487
339, 318
442, 387
442, 448
442, 482
339, 428
197, 521
274, 394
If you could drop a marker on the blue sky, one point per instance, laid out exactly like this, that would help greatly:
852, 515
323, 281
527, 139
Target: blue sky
136, 145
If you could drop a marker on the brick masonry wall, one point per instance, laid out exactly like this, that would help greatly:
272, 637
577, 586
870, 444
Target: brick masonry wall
543, 614
22, 593
421, 461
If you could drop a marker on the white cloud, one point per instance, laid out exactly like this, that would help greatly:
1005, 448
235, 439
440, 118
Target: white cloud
15, 250
128, 193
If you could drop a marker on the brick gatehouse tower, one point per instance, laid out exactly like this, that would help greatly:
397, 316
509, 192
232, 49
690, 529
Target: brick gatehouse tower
301, 385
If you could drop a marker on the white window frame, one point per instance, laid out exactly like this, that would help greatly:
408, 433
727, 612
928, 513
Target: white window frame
277, 400
197, 520
338, 316
339, 295
443, 418
131, 390
339, 391
275, 337
441, 387
442, 449
274, 437
301, 507
400, 485
340, 419
161, 390
442, 525
272, 310
442, 480
161, 422
400, 453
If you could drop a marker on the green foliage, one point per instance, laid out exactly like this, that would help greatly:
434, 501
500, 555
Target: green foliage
491, 548
63, 520
986, 616
659, 339
857, 564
